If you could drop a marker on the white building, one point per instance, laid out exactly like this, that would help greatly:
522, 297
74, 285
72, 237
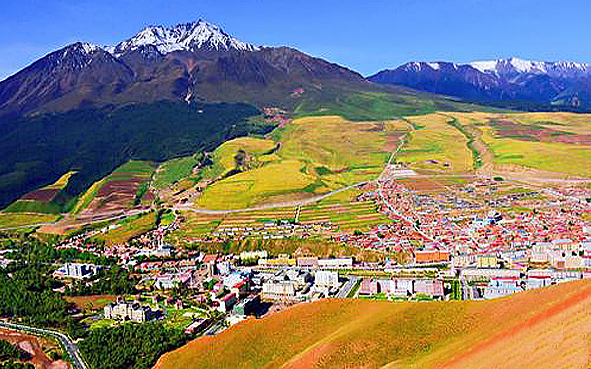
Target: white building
278, 290
79, 271
128, 311
326, 278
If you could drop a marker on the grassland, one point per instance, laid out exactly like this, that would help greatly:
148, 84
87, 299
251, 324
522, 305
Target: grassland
91, 303
174, 170
548, 328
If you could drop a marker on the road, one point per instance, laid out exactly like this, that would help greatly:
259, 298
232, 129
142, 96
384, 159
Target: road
66, 342
347, 287
311, 200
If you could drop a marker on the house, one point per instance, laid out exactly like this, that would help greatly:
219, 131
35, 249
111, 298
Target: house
197, 326
249, 306
337, 263
402, 287
252, 255
239, 289
369, 286
430, 287
431, 256
308, 261
487, 261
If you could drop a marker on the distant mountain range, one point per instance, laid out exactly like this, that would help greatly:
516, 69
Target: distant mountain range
514, 80
192, 61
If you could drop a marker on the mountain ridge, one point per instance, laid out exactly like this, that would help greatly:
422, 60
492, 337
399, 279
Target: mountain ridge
552, 84
190, 61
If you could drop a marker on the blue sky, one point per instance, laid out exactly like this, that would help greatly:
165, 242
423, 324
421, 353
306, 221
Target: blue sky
363, 35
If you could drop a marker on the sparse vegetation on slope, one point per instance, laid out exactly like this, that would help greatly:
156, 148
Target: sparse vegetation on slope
371, 334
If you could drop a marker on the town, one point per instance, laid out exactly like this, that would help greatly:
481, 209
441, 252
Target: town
476, 238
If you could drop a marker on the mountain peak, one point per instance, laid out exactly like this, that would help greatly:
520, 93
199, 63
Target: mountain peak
200, 35
516, 65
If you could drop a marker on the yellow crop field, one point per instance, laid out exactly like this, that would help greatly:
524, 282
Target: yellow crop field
549, 327
8, 220
224, 155
62, 182
253, 186
88, 196
551, 157
435, 145
315, 155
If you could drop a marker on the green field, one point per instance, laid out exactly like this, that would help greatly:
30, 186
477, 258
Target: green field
435, 145
174, 170
534, 141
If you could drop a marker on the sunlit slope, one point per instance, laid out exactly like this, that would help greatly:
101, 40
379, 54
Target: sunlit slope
540, 145
547, 328
307, 157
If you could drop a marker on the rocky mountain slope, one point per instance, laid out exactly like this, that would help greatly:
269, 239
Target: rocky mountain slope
192, 61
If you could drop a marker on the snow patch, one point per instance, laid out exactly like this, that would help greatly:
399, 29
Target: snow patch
188, 37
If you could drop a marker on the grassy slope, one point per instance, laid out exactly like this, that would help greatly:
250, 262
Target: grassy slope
552, 157
435, 139
368, 334
318, 154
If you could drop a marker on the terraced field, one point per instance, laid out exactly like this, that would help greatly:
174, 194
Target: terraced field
10, 220
258, 217
347, 216
41, 200
129, 228
549, 328
126, 187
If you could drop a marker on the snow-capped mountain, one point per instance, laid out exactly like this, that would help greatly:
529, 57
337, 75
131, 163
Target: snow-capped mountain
512, 66
194, 36
513, 79
195, 60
